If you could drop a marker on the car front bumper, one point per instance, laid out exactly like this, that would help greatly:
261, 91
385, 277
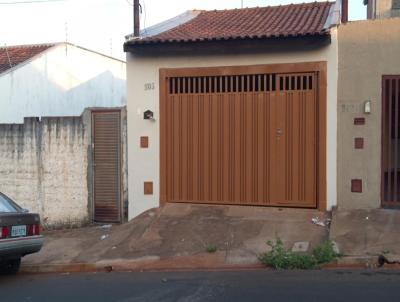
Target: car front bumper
19, 247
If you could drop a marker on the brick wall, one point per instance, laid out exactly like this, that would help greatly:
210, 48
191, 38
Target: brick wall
44, 167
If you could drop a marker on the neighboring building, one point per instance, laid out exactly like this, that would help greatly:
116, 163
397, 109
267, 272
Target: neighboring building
381, 9
63, 133
369, 113
235, 107
59, 79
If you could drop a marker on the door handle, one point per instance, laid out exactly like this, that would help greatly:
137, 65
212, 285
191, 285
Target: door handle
278, 133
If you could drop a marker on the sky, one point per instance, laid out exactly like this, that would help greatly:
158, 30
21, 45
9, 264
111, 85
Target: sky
101, 25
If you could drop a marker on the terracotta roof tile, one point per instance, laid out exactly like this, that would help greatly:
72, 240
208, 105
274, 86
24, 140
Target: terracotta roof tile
249, 23
19, 54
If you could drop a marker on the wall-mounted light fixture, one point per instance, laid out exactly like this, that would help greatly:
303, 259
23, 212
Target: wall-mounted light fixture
148, 115
367, 107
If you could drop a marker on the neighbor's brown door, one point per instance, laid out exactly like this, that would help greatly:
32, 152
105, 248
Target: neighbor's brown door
106, 136
390, 141
240, 139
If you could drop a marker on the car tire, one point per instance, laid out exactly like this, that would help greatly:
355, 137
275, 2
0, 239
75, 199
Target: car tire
10, 267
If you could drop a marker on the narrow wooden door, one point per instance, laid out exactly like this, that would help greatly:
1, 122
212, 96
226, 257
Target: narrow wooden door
390, 141
106, 136
294, 141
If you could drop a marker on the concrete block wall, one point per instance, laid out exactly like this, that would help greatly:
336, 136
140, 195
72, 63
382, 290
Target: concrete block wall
44, 167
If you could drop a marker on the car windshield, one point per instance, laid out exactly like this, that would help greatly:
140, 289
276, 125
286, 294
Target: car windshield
6, 205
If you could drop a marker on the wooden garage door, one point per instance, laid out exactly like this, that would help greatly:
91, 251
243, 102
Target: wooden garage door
106, 165
241, 139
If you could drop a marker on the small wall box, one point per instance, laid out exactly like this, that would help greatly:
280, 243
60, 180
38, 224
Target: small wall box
148, 115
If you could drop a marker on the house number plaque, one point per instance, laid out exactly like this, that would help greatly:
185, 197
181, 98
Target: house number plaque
149, 86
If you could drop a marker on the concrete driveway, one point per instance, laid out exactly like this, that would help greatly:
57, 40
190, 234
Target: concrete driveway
181, 234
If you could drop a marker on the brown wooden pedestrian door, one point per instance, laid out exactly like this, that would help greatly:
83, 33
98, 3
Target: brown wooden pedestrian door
390, 141
248, 139
106, 165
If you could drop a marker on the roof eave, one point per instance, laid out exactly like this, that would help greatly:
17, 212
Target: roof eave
150, 43
314, 40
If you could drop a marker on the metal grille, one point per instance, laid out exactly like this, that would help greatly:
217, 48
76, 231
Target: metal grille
106, 164
242, 139
390, 141
238, 83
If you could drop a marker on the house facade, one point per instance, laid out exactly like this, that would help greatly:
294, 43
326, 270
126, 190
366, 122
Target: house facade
63, 133
59, 79
368, 111
222, 111
382, 9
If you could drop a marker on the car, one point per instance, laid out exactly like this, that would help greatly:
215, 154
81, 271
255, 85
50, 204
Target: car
19, 234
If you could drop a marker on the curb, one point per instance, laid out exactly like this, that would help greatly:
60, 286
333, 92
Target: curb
129, 267
193, 263
181, 263
58, 268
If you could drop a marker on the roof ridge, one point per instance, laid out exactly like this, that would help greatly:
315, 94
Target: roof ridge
232, 24
319, 3
31, 45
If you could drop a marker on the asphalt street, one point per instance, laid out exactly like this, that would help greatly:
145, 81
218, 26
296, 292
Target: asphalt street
259, 285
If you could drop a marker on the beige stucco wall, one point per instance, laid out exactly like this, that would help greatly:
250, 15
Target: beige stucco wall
367, 50
384, 9
144, 164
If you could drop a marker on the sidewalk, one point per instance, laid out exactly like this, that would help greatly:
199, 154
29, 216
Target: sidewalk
363, 235
177, 236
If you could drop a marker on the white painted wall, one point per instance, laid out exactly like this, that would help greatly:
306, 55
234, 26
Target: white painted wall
43, 167
62, 81
144, 164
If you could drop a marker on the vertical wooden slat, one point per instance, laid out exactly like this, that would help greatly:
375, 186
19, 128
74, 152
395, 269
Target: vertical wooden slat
221, 139
184, 85
261, 138
214, 144
254, 147
271, 82
248, 145
207, 147
169, 165
267, 147
242, 144
274, 158
296, 158
226, 146
190, 146
302, 174
201, 142
195, 148
310, 151
384, 140
396, 135
184, 148
238, 143
265, 80
389, 121
176, 147
289, 143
